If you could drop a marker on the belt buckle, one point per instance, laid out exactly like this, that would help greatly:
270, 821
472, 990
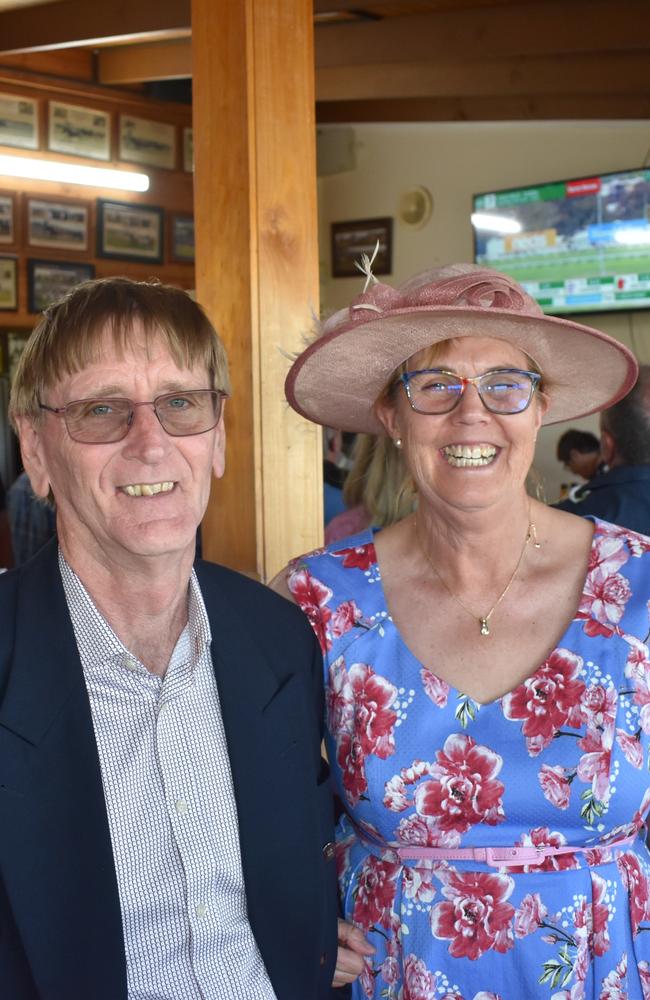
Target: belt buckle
507, 856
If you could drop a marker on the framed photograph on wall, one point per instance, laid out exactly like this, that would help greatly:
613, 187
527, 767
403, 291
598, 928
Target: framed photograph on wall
7, 218
15, 347
18, 121
188, 149
8, 284
49, 280
57, 224
352, 239
79, 130
148, 142
182, 239
126, 231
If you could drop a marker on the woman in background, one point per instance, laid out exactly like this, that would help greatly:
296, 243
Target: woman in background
377, 491
486, 666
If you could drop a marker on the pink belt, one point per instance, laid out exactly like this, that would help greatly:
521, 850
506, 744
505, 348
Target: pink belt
497, 857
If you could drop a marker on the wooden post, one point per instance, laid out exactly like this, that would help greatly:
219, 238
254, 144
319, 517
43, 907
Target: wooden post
257, 266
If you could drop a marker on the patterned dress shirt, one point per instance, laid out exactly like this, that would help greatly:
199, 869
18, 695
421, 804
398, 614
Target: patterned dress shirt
171, 811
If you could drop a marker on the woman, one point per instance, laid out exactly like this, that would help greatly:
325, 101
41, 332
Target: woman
488, 682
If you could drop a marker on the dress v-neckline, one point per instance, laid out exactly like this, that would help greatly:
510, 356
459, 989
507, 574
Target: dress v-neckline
451, 687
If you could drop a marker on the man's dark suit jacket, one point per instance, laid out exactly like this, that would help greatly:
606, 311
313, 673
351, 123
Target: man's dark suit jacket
60, 923
621, 496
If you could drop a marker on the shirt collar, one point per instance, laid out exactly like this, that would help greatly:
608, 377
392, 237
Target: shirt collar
93, 632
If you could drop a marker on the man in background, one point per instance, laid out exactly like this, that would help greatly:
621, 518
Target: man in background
6, 558
622, 493
579, 452
32, 522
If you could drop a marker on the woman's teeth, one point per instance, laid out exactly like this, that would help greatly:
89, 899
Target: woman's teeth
147, 489
464, 455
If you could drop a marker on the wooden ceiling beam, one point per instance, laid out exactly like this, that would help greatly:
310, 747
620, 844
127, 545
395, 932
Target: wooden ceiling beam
144, 63
560, 107
69, 24
594, 73
527, 29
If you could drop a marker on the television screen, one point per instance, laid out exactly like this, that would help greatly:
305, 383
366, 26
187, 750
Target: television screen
581, 245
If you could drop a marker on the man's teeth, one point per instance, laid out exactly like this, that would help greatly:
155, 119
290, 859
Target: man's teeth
147, 489
464, 455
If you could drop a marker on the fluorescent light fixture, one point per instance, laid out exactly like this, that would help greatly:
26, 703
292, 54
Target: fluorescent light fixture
632, 237
495, 223
72, 173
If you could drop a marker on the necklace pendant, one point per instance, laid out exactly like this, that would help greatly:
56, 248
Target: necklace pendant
485, 628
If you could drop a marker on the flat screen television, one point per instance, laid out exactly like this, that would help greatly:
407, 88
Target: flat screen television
579, 245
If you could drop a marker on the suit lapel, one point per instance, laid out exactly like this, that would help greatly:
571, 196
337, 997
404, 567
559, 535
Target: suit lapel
55, 844
264, 720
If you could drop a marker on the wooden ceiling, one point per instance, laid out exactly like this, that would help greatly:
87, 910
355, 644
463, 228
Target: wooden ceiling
381, 60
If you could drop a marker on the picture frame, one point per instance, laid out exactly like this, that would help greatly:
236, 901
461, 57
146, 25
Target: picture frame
182, 238
8, 284
188, 149
351, 239
128, 231
50, 280
15, 346
61, 224
147, 142
79, 131
18, 121
8, 234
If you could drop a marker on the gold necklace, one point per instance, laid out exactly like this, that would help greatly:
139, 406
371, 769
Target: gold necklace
483, 620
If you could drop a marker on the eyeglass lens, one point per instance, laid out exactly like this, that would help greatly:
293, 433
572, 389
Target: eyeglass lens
102, 421
439, 392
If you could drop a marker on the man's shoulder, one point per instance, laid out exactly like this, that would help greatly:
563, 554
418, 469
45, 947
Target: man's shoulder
246, 595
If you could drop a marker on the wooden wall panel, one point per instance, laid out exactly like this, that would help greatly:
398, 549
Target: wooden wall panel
257, 266
170, 189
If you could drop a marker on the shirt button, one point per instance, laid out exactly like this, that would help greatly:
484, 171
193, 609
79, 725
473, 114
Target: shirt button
130, 663
201, 910
181, 807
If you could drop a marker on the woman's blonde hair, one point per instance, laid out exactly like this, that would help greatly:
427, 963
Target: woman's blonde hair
70, 335
379, 480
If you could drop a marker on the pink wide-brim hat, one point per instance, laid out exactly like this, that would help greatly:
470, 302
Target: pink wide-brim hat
337, 379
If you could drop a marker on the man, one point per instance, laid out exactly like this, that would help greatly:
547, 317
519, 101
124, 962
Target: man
579, 452
165, 815
622, 494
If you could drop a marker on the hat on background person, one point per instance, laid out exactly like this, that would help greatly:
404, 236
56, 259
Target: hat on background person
337, 379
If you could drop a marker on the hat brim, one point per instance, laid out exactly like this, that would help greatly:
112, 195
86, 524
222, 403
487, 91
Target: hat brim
338, 378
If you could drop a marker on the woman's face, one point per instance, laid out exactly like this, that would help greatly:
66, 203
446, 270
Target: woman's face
433, 444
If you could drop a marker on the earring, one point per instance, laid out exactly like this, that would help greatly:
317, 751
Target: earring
398, 442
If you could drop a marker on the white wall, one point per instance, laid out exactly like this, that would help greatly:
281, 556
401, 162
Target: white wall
455, 161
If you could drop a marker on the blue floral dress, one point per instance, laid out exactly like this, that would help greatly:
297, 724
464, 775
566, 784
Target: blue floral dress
561, 761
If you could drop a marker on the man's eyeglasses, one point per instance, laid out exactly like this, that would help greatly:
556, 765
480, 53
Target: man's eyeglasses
105, 421
435, 390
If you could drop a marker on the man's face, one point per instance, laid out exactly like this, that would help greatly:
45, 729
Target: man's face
97, 513
583, 463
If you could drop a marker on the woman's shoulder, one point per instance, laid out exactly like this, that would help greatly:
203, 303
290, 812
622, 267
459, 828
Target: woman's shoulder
618, 537
340, 571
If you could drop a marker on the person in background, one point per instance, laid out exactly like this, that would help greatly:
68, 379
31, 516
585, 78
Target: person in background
166, 817
486, 671
377, 490
621, 494
336, 464
579, 451
32, 522
6, 554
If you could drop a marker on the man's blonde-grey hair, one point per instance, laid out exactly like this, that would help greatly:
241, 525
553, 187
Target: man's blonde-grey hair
70, 335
